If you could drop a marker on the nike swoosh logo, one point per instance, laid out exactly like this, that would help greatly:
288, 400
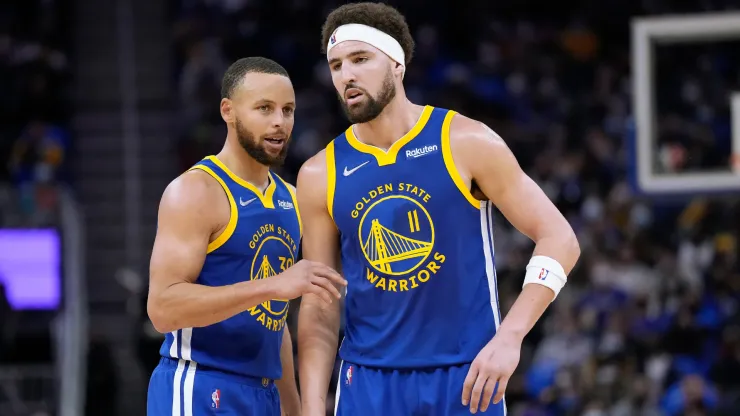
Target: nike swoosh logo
348, 172
247, 202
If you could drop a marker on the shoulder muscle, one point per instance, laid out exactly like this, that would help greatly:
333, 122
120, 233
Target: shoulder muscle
311, 182
192, 209
192, 195
320, 236
468, 135
476, 148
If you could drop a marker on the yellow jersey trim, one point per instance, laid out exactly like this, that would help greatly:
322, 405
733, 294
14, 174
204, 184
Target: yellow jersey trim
233, 218
331, 178
389, 157
295, 203
265, 198
450, 163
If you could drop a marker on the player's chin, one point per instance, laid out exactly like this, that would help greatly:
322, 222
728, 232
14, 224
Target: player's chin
357, 109
360, 115
275, 157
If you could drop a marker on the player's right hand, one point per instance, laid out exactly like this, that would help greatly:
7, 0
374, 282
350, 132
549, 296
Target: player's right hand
309, 277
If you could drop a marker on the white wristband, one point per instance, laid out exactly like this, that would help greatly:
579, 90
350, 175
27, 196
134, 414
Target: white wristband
545, 271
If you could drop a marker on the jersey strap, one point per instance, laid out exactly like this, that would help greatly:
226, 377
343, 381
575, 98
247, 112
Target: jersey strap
234, 215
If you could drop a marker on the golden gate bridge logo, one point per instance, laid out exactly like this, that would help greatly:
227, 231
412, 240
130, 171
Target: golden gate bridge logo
400, 250
265, 270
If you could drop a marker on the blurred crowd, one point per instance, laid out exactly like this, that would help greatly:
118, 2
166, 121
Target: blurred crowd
34, 142
34, 110
694, 129
650, 321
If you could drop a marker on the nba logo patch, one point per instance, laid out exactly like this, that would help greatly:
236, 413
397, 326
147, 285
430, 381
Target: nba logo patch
216, 399
333, 38
543, 274
348, 376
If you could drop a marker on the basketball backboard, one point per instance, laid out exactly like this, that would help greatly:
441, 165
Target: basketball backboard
646, 34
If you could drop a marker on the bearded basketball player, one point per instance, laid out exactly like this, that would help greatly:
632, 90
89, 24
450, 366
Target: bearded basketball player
222, 267
403, 201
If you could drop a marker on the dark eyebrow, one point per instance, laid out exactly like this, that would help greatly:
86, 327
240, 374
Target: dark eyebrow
355, 53
268, 101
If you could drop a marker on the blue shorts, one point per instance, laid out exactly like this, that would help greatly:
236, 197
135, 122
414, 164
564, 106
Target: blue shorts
367, 391
184, 388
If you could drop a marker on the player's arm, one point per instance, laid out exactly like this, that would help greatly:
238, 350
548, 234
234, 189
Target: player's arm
192, 210
290, 402
318, 322
482, 156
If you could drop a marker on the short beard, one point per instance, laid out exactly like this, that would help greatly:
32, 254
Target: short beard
371, 108
254, 147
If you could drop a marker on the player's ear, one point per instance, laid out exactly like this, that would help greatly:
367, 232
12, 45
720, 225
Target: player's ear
397, 69
227, 110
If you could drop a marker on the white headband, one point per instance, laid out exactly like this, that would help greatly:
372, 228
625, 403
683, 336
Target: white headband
371, 36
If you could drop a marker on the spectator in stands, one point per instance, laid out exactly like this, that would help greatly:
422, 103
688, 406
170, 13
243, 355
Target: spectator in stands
690, 395
35, 163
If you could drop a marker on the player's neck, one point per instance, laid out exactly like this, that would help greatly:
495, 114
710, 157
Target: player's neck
397, 118
244, 166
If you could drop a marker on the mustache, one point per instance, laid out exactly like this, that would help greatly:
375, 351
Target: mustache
355, 87
280, 132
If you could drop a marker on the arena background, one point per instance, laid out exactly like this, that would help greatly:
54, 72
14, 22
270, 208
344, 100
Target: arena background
103, 103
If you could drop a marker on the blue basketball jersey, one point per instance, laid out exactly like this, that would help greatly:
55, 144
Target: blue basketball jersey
260, 241
417, 250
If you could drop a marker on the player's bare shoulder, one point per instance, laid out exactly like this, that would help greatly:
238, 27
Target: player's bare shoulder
313, 175
475, 148
471, 141
315, 165
468, 135
195, 196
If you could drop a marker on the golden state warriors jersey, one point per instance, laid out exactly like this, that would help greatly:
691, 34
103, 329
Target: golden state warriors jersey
417, 250
260, 241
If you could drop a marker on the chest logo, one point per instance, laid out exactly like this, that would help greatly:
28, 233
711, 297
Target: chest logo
397, 237
348, 172
396, 234
421, 151
285, 204
274, 251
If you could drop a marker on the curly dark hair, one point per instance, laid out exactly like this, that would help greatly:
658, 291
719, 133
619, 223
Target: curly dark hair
378, 15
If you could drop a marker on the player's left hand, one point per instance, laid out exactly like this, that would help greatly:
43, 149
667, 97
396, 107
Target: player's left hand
495, 363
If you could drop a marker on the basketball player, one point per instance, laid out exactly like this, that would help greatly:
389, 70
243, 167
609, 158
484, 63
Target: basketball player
222, 267
405, 198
